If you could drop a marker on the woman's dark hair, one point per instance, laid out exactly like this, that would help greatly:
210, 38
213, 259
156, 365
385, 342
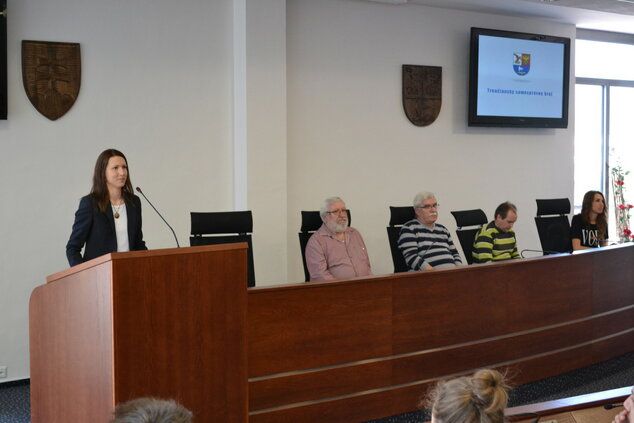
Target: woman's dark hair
99, 189
602, 219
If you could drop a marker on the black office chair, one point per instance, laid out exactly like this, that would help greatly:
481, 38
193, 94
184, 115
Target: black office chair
469, 222
398, 216
225, 228
553, 226
311, 221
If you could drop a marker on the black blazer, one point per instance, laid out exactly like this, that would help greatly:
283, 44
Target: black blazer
95, 230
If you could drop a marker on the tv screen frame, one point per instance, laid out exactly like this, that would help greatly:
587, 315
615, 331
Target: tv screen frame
491, 120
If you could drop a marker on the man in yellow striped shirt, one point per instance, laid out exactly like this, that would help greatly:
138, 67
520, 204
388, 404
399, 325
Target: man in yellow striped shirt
496, 241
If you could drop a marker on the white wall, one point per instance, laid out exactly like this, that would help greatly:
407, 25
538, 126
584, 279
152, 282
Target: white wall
348, 135
156, 84
266, 117
323, 117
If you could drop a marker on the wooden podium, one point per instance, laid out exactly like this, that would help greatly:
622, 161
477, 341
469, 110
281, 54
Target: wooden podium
181, 324
164, 323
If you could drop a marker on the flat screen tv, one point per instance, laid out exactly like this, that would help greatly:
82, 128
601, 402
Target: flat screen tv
518, 79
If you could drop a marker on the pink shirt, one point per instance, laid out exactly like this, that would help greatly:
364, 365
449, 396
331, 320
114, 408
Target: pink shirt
329, 258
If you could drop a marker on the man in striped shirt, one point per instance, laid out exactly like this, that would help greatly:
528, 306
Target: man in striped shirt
496, 241
424, 243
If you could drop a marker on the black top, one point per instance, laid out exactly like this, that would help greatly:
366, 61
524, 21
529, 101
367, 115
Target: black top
587, 233
95, 230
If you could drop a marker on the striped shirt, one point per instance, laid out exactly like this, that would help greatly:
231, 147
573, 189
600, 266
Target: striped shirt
493, 244
422, 246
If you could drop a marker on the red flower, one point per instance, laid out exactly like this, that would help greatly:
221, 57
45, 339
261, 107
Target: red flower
621, 207
627, 231
620, 182
629, 206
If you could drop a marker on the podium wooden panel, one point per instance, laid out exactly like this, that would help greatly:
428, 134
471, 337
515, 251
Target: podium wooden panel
165, 323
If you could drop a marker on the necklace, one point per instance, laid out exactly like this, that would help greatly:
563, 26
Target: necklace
116, 209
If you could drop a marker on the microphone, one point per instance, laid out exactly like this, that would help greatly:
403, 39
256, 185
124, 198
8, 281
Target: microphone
157, 212
611, 406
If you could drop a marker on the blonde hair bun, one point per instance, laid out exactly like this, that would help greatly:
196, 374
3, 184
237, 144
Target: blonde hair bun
480, 398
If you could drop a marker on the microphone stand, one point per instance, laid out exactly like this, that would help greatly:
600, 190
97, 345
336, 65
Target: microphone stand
157, 212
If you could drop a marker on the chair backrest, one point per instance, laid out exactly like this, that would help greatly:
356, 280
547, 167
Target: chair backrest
224, 228
311, 221
398, 216
553, 226
469, 223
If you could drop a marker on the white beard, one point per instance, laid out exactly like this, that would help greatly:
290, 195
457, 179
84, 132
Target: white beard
337, 227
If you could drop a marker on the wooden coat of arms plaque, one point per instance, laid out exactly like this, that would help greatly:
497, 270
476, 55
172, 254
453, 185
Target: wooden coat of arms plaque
422, 93
51, 73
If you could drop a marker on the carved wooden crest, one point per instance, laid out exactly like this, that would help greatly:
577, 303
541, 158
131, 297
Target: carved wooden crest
51, 73
422, 93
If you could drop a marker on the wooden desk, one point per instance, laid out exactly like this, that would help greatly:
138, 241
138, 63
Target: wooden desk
360, 349
580, 409
179, 323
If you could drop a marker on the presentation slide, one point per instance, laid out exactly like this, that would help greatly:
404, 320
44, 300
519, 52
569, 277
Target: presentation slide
520, 78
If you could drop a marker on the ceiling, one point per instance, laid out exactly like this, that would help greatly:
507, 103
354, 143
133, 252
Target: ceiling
605, 15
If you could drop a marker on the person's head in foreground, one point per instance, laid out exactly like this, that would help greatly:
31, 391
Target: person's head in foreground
480, 398
151, 410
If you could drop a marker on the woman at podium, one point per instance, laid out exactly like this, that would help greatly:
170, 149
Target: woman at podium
109, 218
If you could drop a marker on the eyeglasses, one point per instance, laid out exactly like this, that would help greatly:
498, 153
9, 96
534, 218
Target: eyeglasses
429, 206
338, 211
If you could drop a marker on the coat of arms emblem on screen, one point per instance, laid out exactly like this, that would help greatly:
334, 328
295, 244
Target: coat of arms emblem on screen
51, 73
521, 63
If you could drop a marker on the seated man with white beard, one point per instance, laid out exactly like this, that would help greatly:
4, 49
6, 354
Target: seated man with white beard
336, 251
424, 243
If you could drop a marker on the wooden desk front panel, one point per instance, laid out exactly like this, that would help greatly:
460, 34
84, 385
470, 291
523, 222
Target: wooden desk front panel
316, 349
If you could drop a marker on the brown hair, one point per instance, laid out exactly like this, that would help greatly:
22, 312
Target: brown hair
602, 219
151, 410
503, 209
480, 398
99, 190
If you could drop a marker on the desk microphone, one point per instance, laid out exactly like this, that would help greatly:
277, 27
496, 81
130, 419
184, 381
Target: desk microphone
157, 212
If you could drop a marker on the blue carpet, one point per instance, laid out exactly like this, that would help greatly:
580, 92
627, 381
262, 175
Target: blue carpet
15, 404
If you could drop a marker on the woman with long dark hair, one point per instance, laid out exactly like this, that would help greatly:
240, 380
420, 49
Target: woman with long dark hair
589, 229
109, 218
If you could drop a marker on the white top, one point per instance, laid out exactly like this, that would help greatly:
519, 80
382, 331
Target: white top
121, 228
